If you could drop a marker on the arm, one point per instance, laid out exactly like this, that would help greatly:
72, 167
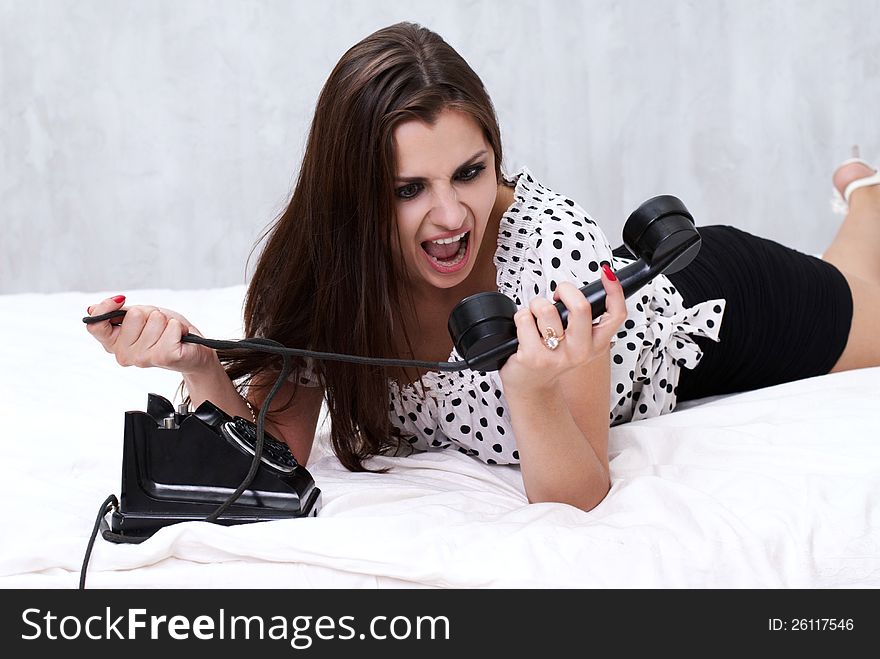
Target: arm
559, 399
588, 395
562, 436
296, 426
149, 336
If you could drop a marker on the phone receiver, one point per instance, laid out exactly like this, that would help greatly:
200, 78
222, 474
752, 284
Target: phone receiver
660, 233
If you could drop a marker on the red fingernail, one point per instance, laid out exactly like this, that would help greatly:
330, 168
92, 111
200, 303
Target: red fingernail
119, 298
608, 272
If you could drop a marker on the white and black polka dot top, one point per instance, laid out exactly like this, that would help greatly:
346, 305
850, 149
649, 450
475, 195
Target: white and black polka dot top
546, 238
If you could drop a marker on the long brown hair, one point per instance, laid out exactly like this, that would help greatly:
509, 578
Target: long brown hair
326, 279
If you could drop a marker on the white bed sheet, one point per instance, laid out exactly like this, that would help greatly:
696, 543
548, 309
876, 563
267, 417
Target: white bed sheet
772, 488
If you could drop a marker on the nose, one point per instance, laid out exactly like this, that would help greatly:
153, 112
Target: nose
448, 211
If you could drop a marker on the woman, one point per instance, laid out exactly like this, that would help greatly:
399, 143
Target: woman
401, 210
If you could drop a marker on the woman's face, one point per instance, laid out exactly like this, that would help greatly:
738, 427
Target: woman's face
445, 187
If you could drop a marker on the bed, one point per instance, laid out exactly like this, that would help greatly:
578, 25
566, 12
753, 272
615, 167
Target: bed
775, 488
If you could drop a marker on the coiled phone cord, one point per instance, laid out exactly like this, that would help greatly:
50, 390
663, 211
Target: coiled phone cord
259, 345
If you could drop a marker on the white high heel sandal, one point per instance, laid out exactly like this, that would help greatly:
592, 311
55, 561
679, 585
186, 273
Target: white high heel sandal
840, 203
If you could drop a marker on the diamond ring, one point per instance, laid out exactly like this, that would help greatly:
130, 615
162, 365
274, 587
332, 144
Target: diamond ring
550, 339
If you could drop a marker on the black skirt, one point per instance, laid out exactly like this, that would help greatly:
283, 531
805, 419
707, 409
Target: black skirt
787, 317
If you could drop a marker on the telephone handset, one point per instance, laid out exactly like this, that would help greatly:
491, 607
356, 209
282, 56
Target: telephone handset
660, 232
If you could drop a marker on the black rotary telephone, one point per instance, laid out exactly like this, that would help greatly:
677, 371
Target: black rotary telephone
179, 466
205, 465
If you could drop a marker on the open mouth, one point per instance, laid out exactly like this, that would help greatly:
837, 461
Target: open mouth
449, 255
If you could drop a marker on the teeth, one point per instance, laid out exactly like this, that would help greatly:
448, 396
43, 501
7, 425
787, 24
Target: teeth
459, 256
453, 239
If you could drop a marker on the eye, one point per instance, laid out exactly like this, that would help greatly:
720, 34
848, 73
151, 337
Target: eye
470, 173
408, 191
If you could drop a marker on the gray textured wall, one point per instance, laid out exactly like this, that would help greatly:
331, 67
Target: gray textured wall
148, 144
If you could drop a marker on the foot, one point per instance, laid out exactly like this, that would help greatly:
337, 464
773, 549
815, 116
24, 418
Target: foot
848, 173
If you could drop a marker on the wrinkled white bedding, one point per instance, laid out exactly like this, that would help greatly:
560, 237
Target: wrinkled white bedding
772, 488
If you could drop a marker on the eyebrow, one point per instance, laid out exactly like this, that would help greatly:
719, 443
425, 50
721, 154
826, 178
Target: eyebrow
420, 179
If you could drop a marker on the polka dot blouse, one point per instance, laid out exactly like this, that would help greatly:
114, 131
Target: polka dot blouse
544, 239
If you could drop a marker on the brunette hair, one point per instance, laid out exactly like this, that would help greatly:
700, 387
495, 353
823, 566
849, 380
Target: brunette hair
326, 279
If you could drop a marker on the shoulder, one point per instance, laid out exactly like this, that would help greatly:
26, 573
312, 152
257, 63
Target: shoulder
533, 194
538, 211
546, 237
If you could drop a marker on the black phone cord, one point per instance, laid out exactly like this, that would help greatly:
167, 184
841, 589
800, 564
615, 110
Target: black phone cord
259, 345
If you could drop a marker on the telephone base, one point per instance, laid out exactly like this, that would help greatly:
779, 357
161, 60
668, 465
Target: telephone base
182, 467
141, 523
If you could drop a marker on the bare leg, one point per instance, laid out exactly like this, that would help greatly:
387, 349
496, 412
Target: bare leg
856, 253
862, 347
856, 248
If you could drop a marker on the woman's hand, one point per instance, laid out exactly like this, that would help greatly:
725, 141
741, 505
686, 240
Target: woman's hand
534, 366
150, 336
